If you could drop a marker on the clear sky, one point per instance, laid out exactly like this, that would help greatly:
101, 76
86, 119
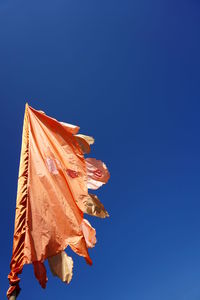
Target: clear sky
127, 72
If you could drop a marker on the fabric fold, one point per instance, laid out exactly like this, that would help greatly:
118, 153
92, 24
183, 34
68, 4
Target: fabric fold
19, 256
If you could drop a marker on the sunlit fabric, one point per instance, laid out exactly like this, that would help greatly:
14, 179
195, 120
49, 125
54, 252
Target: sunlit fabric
52, 198
61, 265
89, 233
84, 142
97, 173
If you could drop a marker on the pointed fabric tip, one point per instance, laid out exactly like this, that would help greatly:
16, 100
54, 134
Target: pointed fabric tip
97, 173
89, 233
84, 142
40, 273
94, 207
73, 129
61, 265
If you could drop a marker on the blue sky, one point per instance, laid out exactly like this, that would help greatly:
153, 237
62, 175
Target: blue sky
127, 72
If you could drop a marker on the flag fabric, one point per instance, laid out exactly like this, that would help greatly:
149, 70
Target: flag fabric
52, 198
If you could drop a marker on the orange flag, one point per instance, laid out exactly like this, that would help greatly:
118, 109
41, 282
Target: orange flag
52, 198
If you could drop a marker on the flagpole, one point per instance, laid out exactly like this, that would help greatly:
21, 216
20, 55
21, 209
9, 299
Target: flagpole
13, 296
